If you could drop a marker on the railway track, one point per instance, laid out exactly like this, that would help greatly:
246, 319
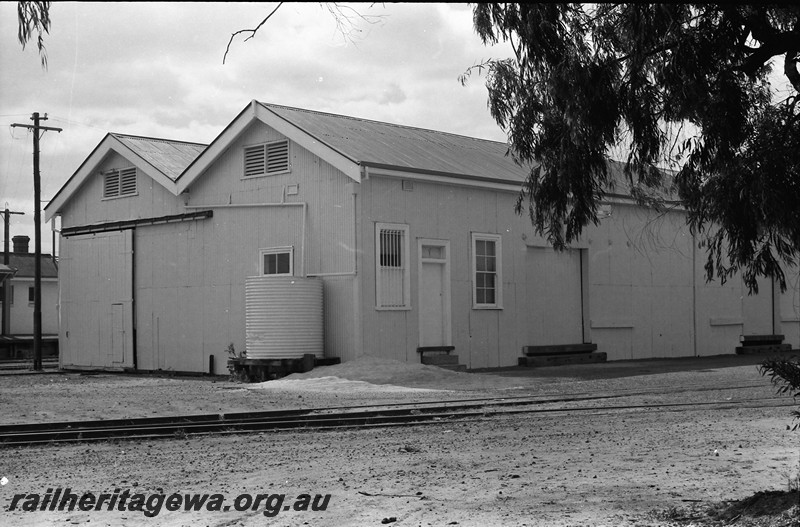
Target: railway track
342, 418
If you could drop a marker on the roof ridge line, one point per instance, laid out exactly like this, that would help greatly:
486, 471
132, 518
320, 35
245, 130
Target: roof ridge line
375, 121
164, 139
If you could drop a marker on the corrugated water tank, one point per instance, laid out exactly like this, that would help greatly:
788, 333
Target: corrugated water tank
283, 317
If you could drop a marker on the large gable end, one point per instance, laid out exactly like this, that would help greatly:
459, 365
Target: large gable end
288, 128
161, 159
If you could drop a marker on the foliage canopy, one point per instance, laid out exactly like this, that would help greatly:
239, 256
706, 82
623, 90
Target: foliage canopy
678, 86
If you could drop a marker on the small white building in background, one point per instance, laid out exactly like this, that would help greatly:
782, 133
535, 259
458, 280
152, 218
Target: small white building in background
412, 233
18, 339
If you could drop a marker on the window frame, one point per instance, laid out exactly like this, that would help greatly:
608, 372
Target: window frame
405, 266
265, 151
276, 250
498, 272
119, 174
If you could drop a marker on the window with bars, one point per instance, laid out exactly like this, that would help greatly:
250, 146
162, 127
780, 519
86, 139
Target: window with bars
277, 261
267, 159
392, 278
119, 183
487, 283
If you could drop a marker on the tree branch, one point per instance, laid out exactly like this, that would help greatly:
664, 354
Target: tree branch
252, 31
777, 44
790, 69
34, 17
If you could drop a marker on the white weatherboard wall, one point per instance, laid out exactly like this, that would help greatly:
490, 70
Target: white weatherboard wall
323, 241
789, 309
482, 337
640, 269
20, 315
634, 285
189, 277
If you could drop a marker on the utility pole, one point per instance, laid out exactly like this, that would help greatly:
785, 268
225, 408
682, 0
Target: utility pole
6, 296
37, 237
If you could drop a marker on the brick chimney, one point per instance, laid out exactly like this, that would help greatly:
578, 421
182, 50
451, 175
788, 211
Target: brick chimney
21, 244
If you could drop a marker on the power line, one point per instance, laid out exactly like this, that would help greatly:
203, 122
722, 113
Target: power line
78, 123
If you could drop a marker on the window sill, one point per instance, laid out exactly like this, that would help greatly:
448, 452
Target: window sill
256, 176
108, 198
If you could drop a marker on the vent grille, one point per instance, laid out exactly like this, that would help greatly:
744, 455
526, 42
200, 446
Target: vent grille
266, 159
277, 157
118, 183
127, 182
254, 161
111, 184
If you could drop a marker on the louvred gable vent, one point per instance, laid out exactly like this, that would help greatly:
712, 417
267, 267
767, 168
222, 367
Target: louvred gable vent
254, 161
277, 157
270, 158
127, 180
110, 184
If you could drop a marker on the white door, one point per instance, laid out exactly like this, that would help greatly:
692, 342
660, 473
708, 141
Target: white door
757, 309
554, 295
434, 293
96, 279
789, 304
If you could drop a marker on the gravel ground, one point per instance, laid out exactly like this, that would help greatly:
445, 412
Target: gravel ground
659, 466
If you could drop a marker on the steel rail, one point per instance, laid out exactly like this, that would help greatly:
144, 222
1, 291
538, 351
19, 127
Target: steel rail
307, 419
545, 398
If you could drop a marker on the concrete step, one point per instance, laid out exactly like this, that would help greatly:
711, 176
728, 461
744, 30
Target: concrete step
556, 349
560, 359
764, 348
760, 340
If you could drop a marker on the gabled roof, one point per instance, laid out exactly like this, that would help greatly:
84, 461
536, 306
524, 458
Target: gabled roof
352, 145
256, 111
169, 157
161, 159
384, 145
25, 264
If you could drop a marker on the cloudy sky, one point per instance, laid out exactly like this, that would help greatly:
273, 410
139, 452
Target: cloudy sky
156, 69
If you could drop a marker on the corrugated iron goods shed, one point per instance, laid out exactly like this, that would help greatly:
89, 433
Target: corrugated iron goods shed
412, 235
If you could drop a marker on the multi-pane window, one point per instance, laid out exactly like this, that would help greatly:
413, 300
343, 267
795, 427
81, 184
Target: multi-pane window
277, 261
266, 159
486, 264
119, 182
392, 284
